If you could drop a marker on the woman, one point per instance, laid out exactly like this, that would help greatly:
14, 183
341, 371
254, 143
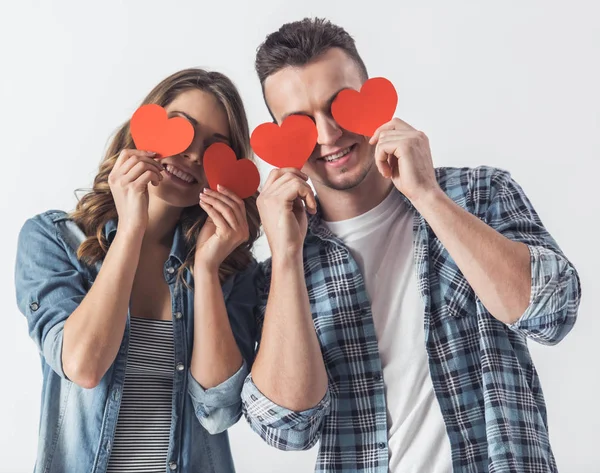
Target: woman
141, 301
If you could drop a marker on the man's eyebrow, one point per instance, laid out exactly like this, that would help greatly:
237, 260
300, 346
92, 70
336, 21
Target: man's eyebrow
328, 103
304, 114
333, 97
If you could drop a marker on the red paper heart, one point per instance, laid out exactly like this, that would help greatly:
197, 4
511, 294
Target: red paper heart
365, 111
288, 145
222, 167
151, 130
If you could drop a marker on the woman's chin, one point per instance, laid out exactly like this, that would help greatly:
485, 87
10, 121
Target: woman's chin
177, 199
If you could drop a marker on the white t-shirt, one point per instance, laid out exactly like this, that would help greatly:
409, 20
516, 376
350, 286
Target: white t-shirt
381, 242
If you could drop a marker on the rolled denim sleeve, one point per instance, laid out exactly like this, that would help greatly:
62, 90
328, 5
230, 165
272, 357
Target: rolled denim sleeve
48, 285
220, 407
280, 427
555, 285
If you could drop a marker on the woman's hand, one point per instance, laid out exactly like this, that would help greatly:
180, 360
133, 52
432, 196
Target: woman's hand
128, 181
225, 229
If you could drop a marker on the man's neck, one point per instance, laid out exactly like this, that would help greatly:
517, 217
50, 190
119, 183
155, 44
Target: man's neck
339, 205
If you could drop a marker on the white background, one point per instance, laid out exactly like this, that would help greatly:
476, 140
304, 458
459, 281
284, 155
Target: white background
513, 85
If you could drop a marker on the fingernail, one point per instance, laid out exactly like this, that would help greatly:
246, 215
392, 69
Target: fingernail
206, 190
151, 153
219, 187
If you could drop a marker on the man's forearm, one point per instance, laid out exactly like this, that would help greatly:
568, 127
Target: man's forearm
498, 269
289, 367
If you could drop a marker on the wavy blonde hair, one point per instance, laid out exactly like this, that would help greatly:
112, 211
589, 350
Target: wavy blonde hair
97, 206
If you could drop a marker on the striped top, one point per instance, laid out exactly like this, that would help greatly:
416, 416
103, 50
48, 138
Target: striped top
141, 440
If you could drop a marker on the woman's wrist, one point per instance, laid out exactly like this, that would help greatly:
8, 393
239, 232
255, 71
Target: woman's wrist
205, 271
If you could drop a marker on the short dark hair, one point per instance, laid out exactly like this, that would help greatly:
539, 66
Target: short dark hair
300, 42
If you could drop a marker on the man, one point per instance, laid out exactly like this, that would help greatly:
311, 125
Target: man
399, 310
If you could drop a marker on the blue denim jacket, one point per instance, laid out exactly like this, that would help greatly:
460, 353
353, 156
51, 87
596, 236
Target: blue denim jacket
77, 425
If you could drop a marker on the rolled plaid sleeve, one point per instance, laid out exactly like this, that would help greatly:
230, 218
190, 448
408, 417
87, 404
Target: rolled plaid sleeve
280, 427
555, 284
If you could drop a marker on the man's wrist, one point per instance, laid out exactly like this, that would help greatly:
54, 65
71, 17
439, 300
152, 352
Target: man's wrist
285, 261
430, 200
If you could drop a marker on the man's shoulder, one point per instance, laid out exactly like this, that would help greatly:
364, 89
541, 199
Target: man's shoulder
457, 182
264, 267
456, 176
264, 263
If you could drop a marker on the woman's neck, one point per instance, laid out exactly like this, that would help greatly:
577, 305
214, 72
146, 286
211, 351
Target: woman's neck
162, 221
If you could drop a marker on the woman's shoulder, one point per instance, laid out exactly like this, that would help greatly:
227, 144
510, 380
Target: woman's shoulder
49, 217
51, 240
45, 226
44, 221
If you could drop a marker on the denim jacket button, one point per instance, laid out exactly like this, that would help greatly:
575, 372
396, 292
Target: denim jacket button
34, 306
170, 270
172, 465
178, 315
180, 367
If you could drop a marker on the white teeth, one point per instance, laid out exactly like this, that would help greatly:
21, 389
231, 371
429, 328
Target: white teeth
337, 155
184, 176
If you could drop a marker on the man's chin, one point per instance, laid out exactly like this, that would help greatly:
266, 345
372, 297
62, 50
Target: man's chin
346, 181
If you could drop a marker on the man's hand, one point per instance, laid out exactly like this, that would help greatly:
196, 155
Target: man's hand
402, 154
282, 205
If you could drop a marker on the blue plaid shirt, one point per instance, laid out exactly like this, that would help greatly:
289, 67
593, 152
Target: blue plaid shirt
483, 376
